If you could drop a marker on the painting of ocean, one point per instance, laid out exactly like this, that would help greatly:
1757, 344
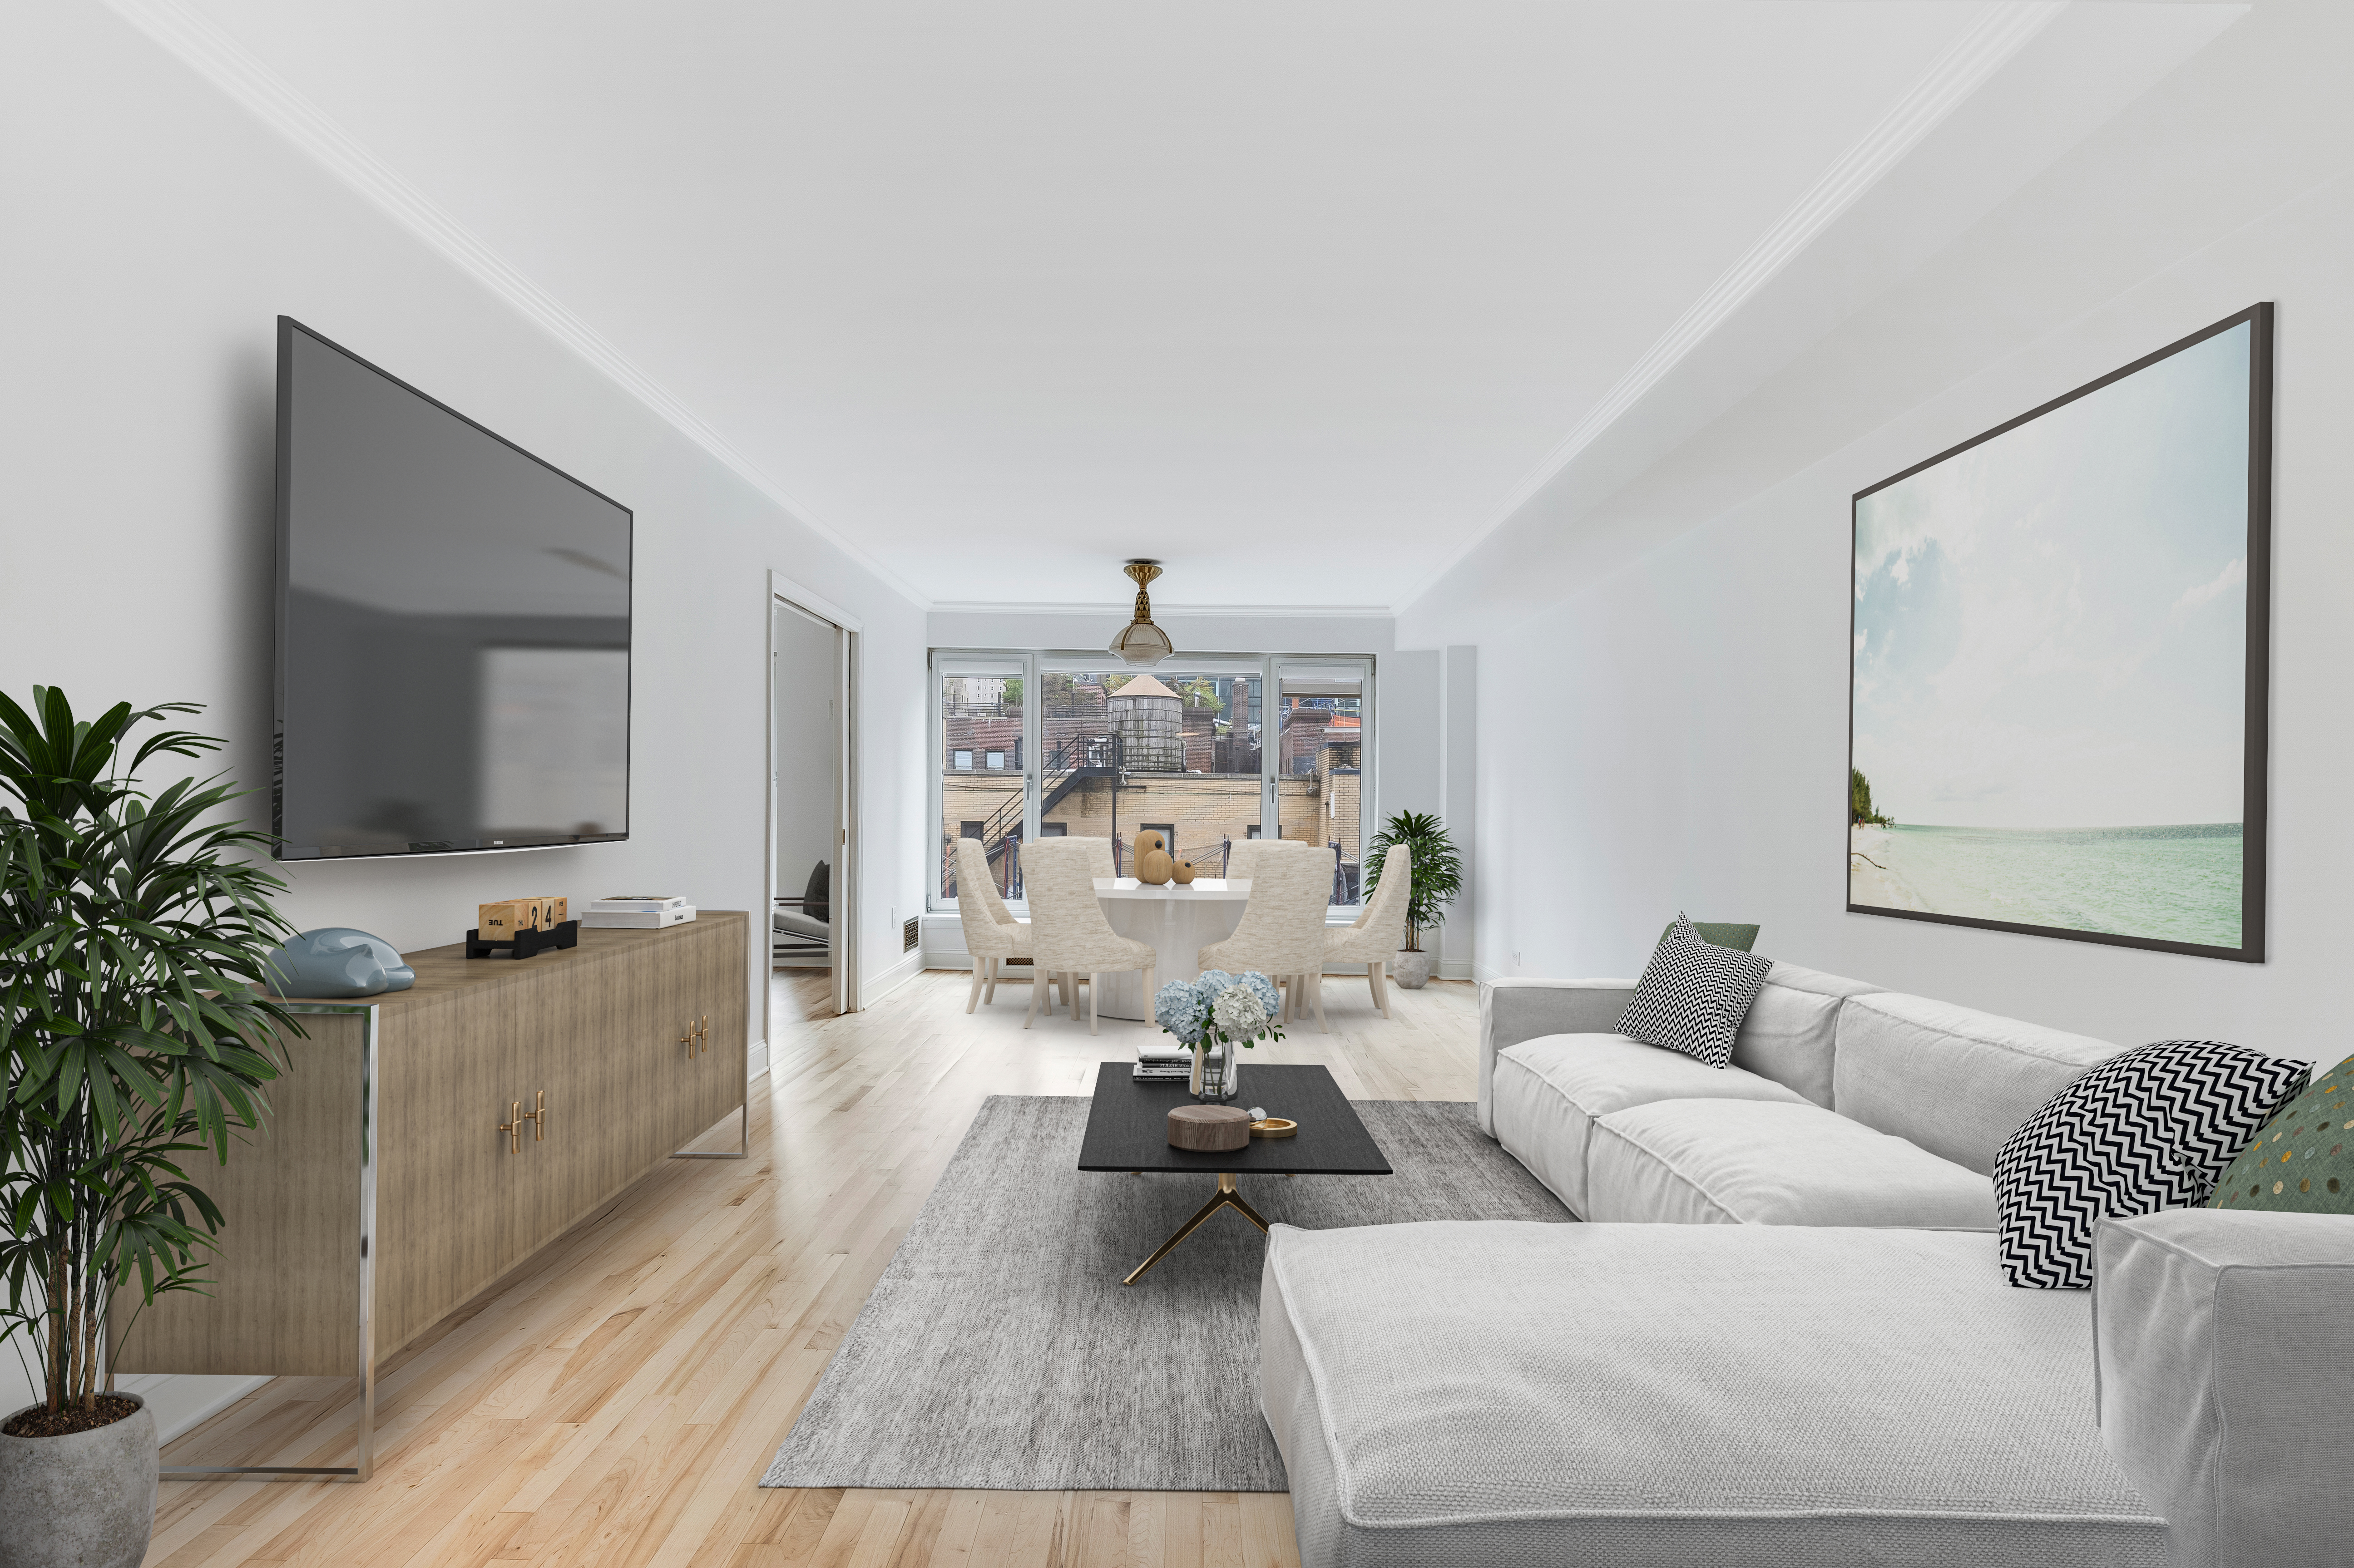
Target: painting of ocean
2170, 884
2058, 663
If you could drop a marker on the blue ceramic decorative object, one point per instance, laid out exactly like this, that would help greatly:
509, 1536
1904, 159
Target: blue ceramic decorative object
338, 962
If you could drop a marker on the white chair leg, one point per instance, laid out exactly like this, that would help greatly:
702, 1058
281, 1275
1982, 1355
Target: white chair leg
980, 973
1150, 989
1095, 1001
1381, 973
989, 990
1316, 994
1030, 1016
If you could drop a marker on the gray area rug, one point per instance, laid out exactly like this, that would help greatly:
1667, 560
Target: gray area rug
999, 1350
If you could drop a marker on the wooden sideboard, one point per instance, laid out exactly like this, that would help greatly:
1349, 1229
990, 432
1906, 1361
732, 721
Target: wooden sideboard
427, 1142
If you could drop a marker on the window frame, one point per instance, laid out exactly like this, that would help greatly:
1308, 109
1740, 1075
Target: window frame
1267, 690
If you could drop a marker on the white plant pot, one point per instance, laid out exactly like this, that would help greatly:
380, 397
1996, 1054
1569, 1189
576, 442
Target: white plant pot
1411, 971
83, 1501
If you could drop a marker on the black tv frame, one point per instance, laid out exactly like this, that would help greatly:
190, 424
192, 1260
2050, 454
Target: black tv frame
2256, 716
287, 327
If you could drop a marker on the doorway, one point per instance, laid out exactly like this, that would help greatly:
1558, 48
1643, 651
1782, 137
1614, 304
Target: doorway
812, 840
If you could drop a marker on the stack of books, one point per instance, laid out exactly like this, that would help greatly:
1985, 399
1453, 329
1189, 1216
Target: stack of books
638, 911
1164, 1059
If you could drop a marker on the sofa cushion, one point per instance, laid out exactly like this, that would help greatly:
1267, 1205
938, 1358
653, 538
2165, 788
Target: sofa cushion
1693, 995
2150, 1128
1954, 1081
1548, 1092
1791, 1032
1657, 1395
2302, 1160
2225, 1361
1696, 1162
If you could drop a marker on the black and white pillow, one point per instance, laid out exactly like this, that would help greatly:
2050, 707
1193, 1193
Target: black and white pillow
1693, 995
2150, 1128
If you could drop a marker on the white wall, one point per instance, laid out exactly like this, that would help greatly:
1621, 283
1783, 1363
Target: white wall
155, 232
1688, 746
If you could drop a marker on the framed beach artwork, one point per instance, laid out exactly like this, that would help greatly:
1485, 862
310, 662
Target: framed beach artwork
2057, 688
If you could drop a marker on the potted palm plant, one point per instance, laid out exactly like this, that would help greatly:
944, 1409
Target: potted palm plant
133, 928
1437, 873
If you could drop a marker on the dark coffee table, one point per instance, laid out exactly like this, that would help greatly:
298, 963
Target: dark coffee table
1127, 1129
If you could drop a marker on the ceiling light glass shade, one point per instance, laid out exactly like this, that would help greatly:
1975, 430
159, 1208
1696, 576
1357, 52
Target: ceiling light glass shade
1140, 642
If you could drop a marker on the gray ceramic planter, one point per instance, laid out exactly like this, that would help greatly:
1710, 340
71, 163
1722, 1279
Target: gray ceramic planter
86, 1500
1410, 970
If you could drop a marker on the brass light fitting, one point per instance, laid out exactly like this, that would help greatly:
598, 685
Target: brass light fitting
1140, 642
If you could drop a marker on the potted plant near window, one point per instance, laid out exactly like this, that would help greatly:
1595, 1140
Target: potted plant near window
133, 932
1437, 873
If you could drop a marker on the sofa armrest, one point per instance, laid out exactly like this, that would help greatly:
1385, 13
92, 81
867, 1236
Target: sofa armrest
2223, 1355
1512, 1010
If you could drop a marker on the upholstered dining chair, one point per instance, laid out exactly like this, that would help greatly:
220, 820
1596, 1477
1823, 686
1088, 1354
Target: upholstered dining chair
1282, 930
1380, 930
1069, 933
991, 934
1242, 856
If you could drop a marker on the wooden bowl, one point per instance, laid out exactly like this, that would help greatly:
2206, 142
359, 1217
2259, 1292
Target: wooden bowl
1274, 1127
1210, 1128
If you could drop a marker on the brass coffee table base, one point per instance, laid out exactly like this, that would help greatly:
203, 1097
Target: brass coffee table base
1226, 1197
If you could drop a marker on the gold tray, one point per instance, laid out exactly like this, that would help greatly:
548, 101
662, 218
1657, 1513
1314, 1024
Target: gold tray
1274, 1127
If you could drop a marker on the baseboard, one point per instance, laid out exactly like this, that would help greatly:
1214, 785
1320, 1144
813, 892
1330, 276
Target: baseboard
756, 1060
892, 978
1483, 974
1456, 969
182, 1401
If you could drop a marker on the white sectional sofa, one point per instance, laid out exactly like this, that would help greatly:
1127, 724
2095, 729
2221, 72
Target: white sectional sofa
1845, 1104
1794, 1344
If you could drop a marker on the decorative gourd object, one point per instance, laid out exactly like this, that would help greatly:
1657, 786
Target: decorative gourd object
1153, 863
338, 962
1184, 872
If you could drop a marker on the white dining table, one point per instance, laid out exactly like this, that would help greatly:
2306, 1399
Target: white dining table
1179, 919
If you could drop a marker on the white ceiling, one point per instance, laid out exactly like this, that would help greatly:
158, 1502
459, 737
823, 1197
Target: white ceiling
1299, 298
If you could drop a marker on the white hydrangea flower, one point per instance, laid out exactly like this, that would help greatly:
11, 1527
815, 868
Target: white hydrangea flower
1240, 1013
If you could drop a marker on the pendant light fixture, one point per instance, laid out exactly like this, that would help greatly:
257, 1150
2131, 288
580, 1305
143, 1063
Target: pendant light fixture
1140, 642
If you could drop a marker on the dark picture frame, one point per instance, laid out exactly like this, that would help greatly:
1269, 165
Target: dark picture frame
1994, 847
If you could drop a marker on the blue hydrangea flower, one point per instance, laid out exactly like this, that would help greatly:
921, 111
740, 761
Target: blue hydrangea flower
1268, 997
1177, 1007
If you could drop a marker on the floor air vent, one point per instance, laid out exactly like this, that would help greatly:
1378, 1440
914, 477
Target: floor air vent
908, 935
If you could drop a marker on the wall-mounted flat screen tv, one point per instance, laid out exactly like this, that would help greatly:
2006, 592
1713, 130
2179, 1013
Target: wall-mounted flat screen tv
453, 627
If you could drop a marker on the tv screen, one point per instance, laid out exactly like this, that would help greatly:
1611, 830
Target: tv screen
453, 627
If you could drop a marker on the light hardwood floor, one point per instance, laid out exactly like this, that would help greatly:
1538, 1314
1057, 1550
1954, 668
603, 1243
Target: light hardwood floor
616, 1400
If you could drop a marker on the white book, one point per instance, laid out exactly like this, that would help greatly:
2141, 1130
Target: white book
638, 919
635, 903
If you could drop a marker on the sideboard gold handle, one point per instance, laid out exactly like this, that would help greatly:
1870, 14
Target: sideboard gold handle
703, 1032
537, 1116
513, 1126
687, 1040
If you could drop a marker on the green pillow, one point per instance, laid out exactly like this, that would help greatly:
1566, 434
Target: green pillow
2303, 1159
1739, 937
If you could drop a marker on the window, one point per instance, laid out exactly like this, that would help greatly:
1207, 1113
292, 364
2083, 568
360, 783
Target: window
980, 713
1320, 776
1210, 750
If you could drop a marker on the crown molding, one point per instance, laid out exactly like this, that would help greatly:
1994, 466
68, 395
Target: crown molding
1165, 611
213, 54
2001, 31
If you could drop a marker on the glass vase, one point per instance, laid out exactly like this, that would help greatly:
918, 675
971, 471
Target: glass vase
1216, 1070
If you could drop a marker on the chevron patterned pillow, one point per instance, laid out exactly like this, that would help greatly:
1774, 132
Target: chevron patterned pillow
2150, 1128
1693, 995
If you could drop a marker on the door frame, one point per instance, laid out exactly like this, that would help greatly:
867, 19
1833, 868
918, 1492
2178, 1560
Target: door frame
842, 946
